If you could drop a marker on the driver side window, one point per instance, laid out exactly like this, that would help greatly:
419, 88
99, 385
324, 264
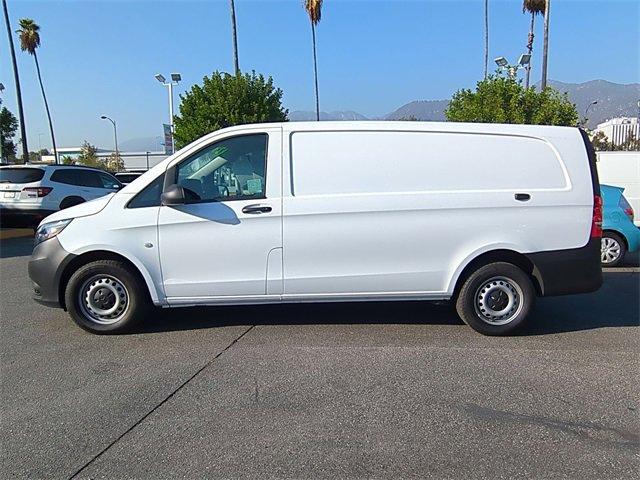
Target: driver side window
232, 169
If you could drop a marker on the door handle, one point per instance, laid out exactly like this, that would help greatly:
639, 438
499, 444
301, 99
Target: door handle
256, 209
522, 197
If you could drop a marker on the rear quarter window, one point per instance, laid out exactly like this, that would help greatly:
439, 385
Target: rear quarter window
21, 175
67, 176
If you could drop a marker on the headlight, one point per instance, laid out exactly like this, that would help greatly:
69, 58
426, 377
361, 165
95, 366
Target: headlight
50, 230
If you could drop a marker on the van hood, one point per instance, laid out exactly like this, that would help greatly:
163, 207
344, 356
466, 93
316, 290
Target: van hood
83, 210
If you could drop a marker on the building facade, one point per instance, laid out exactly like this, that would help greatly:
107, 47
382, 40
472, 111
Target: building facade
618, 129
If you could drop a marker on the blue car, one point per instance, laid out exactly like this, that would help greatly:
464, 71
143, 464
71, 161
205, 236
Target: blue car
619, 234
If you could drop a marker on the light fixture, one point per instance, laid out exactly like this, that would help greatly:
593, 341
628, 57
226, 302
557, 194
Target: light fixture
501, 62
525, 59
160, 77
176, 77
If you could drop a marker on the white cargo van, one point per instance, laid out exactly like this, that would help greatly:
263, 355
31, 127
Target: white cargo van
488, 216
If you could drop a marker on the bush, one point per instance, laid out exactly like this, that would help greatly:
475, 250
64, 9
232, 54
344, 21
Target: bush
224, 100
499, 99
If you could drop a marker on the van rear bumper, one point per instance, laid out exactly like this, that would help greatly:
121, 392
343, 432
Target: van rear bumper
564, 272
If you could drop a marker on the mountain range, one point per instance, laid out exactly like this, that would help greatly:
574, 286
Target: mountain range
614, 100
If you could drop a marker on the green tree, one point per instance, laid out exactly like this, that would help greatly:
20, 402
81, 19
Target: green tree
224, 100
314, 10
67, 160
29, 42
600, 142
500, 99
114, 163
89, 156
8, 127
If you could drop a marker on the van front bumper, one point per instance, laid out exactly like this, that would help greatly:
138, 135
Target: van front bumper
565, 272
46, 265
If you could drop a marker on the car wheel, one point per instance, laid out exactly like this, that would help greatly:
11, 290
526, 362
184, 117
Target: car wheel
105, 296
496, 299
71, 202
613, 249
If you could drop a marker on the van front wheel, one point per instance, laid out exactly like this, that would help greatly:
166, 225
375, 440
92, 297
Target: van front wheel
496, 299
105, 297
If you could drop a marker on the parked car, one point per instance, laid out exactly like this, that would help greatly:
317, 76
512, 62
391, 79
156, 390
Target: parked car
127, 177
623, 170
35, 191
619, 234
487, 216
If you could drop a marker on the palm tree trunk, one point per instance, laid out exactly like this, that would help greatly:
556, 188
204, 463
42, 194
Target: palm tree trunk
530, 48
46, 106
486, 38
545, 48
236, 62
16, 77
315, 70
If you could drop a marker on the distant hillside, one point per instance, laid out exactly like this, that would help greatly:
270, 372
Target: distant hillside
143, 144
614, 99
304, 116
431, 110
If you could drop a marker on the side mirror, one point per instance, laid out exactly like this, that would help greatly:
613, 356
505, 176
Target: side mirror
173, 195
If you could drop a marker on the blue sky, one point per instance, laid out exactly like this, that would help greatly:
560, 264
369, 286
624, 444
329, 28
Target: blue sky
374, 56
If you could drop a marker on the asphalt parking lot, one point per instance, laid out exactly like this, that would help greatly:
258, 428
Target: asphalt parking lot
384, 390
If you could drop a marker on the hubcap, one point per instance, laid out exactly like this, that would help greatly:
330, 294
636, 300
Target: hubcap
103, 299
609, 250
498, 300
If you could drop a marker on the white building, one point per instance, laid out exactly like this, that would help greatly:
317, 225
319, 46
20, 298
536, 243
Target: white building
132, 160
618, 129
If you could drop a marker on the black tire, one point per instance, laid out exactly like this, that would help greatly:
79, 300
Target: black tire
501, 286
616, 242
71, 202
102, 279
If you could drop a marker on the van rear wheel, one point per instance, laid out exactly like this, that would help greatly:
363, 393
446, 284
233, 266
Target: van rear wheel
496, 299
104, 297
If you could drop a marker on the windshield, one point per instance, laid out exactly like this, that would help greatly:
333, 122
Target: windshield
21, 175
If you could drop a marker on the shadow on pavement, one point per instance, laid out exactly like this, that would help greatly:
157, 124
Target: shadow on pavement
187, 318
16, 247
614, 305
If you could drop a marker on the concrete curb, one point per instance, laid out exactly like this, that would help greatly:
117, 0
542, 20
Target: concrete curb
8, 233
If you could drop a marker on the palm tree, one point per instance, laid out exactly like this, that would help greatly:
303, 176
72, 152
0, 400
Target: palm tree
486, 38
16, 77
236, 63
29, 42
314, 9
545, 46
534, 7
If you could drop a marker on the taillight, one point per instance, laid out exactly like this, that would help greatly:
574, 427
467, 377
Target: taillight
37, 191
596, 223
626, 208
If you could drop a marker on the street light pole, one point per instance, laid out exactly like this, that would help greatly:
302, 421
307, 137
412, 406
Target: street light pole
175, 79
115, 133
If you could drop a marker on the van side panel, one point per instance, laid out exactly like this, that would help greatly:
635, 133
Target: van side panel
380, 211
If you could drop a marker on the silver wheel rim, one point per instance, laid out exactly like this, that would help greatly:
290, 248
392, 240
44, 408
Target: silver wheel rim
609, 250
103, 299
498, 301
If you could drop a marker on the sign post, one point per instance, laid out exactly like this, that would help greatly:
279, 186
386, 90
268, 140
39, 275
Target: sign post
168, 139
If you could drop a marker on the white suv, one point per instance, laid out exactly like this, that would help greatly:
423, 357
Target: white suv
34, 191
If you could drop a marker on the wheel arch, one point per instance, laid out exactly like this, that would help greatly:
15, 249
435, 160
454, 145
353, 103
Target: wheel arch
93, 255
69, 198
497, 255
619, 234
